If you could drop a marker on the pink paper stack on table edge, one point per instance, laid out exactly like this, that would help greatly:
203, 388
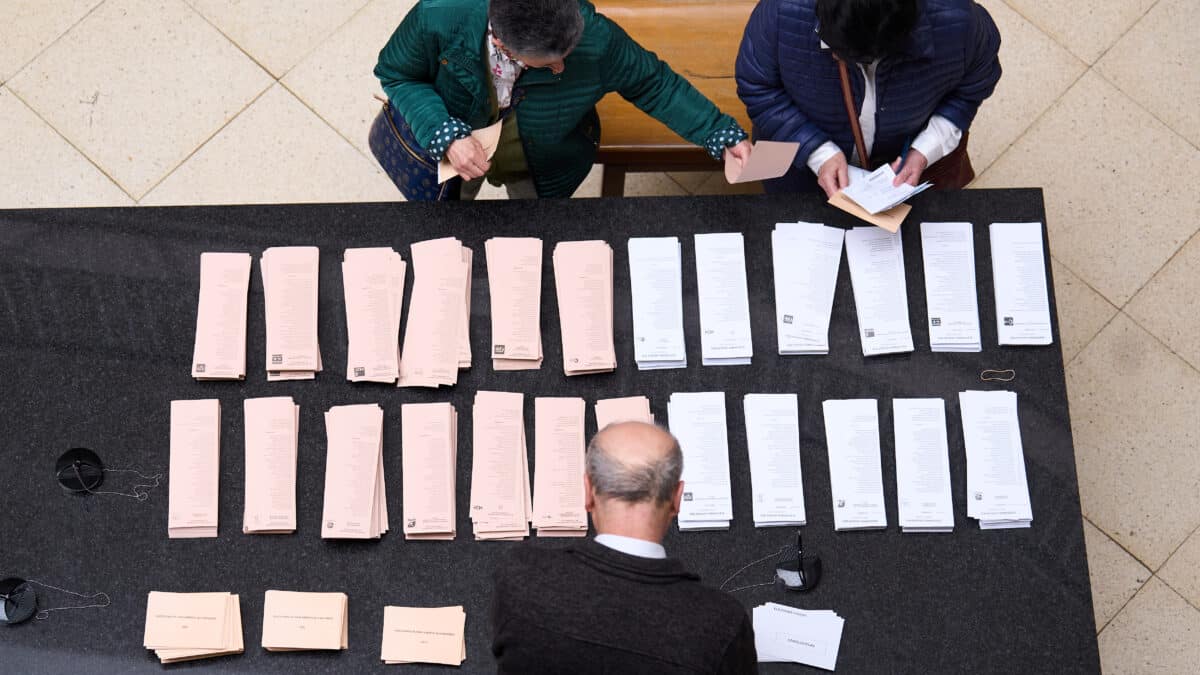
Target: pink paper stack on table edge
501, 505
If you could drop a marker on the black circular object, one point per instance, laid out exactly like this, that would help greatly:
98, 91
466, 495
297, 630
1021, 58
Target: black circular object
19, 601
79, 470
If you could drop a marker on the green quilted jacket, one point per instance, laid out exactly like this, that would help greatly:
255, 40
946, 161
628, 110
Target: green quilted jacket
434, 68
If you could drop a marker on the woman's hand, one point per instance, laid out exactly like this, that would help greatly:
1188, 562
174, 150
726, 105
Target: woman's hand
834, 175
914, 165
739, 154
467, 157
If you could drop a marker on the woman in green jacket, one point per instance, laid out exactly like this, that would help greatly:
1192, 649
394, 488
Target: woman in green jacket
453, 66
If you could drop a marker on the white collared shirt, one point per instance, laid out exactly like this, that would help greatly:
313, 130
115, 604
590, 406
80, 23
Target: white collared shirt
638, 547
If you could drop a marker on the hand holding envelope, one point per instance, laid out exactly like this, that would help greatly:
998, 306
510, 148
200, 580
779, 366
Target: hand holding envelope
768, 159
488, 137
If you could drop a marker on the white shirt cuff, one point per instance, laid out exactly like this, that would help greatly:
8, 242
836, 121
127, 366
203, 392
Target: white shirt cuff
821, 155
939, 138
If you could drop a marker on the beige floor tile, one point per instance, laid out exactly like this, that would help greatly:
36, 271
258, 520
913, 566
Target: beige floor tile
1133, 416
283, 154
1116, 575
1115, 214
689, 180
590, 188
138, 85
1169, 306
1182, 571
39, 169
716, 184
1082, 312
651, 185
1157, 633
30, 25
1086, 27
277, 33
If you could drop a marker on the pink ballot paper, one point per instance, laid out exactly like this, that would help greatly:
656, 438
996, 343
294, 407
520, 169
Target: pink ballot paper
305, 621
514, 267
436, 335
355, 495
191, 626
583, 280
290, 299
430, 454
272, 425
194, 469
558, 495
768, 159
628, 409
373, 283
220, 351
424, 635
501, 506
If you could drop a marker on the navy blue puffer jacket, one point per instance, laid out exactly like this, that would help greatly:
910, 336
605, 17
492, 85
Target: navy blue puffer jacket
791, 88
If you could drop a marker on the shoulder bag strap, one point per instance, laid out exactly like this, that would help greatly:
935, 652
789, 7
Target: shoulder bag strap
848, 99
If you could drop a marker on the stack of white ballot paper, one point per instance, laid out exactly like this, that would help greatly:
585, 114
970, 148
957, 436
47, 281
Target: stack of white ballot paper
922, 465
373, 283
627, 409
806, 258
948, 253
436, 339
191, 626
514, 267
773, 440
656, 288
294, 622
875, 192
429, 442
785, 634
1019, 276
558, 442
220, 350
501, 506
724, 300
876, 259
194, 470
272, 425
698, 421
855, 465
355, 491
583, 282
424, 635
997, 490
290, 290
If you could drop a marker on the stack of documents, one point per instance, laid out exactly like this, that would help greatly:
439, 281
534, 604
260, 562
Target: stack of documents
855, 465
220, 350
876, 259
355, 492
583, 281
295, 622
501, 506
194, 469
272, 425
290, 296
773, 440
785, 634
559, 444
1019, 276
656, 285
948, 252
424, 635
997, 491
922, 465
724, 300
806, 258
373, 283
191, 626
698, 421
874, 191
436, 337
627, 409
514, 267
430, 461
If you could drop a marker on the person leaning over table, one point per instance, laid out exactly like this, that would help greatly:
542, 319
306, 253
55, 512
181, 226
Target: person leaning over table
541, 66
919, 69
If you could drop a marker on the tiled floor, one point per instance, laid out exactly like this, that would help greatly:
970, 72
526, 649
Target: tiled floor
119, 102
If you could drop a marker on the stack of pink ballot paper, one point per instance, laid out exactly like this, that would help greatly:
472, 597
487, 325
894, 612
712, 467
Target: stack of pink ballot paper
583, 280
220, 351
437, 341
373, 283
558, 494
514, 266
296, 622
429, 446
272, 426
501, 506
195, 468
192, 626
355, 493
424, 635
290, 290
628, 409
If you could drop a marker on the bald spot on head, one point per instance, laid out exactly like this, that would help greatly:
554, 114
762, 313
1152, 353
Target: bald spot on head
634, 443
634, 462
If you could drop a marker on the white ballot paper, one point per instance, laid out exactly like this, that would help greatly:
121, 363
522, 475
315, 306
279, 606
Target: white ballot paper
1019, 276
876, 259
855, 466
220, 350
290, 290
922, 465
785, 634
806, 257
948, 253
773, 441
195, 469
698, 421
724, 299
874, 191
373, 287
997, 490
656, 285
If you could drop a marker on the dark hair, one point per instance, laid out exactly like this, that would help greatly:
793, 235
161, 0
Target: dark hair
538, 28
864, 30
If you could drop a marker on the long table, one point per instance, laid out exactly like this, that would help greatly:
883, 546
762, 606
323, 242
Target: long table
97, 320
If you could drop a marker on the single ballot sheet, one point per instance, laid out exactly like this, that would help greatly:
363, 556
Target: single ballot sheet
514, 266
855, 464
876, 261
805, 258
430, 456
271, 430
724, 299
220, 348
773, 442
948, 256
583, 281
194, 469
656, 293
698, 421
768, 159
290, 288
373, 283
559, 445
1019, 277
922, 465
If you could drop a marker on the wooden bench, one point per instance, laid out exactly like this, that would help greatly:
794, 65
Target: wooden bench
699, 39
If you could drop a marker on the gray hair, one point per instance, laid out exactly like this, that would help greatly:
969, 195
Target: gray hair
653, 480
545, 29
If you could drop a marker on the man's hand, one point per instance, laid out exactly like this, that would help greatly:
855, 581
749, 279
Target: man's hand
914, 166
739, 154
834, 175
467, 157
